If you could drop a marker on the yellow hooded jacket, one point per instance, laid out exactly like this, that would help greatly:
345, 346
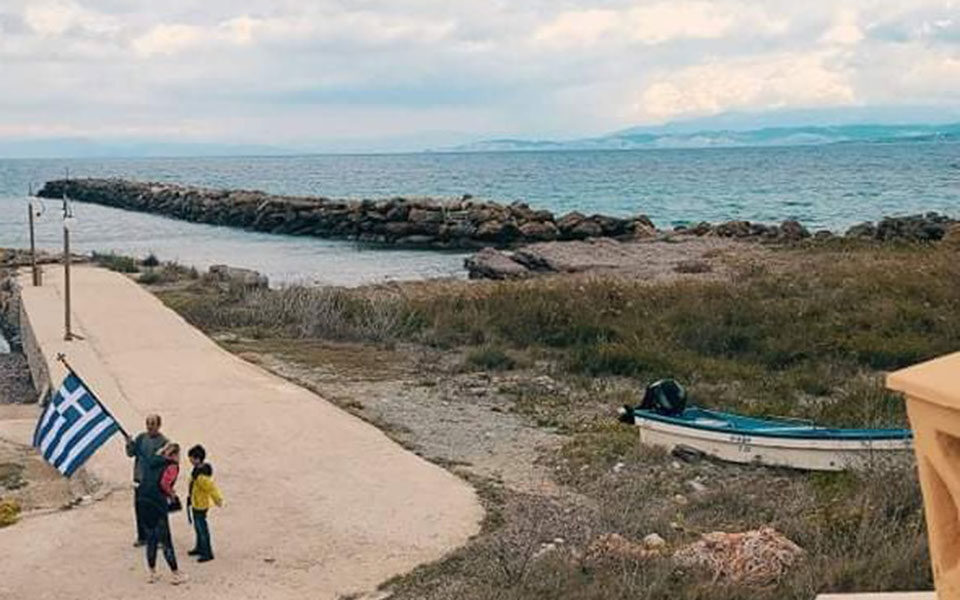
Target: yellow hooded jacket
204, 492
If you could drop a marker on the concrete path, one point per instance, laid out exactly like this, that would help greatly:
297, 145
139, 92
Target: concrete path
318, 503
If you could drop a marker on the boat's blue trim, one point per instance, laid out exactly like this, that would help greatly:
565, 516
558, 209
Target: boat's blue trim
711, 420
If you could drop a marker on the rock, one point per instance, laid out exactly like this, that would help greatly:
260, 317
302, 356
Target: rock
424, 215
642, 229
951, 238
613, 546
759, 557
619, 466
736, 229
700, 229
497, 231
539, 231
568, 222
494, 264
420, 240
586, 228
823, 234
793, 231
245, 277
681, 499
653, 541
863, 230
696, 486
930, 227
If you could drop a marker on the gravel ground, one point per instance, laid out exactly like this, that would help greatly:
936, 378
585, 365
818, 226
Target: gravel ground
459, 420
16, 386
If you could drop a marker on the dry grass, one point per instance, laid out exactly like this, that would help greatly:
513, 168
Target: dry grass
809, 338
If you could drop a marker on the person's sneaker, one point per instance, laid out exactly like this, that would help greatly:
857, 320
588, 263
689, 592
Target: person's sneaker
178, 578
204, 559
138, 543
193, 552
152, 577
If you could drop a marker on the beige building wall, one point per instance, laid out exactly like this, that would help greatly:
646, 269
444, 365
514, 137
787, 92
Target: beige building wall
933, 406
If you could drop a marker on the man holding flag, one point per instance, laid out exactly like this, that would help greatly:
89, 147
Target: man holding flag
145, 444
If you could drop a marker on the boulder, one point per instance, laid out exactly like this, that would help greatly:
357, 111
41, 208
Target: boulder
735, 229
489, 263
865, 230
567, 222
653, 541
930, 227
586, 228
539, 231
423, 215
793, 231
244, 277
702, 228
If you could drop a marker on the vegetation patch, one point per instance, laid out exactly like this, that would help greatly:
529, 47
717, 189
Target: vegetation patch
808, 335
116, 262
490, 358
9, 512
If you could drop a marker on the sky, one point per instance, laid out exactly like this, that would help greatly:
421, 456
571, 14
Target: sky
288, 72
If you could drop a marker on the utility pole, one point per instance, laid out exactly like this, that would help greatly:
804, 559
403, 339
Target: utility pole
68, 335
34, 268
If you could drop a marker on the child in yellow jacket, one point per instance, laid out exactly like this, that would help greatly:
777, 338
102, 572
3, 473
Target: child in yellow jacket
203, 493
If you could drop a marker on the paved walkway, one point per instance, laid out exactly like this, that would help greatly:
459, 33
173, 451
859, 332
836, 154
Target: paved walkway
319, 503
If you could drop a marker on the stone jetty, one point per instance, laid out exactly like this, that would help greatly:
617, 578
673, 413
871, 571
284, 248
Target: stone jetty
402, 222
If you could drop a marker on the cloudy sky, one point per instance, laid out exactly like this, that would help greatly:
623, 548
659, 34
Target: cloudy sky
294, 72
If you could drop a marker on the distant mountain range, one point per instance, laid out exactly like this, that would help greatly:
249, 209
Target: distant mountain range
637, 138
784, 127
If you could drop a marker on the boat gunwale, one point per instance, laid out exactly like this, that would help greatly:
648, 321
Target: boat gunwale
812, 433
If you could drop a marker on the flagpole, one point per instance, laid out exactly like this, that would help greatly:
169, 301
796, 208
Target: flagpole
63, 358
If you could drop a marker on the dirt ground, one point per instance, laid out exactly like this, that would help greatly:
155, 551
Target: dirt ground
465, 421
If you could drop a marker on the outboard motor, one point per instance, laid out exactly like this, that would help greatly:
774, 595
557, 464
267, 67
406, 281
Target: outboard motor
665, 397
625, 415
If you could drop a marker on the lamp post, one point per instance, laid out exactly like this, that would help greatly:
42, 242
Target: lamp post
67, 220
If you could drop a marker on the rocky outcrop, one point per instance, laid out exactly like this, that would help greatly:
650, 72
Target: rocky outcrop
395, 221
641, 259
929, 227
788, 231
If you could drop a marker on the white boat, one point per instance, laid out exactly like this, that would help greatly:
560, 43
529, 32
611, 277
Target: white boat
768, 441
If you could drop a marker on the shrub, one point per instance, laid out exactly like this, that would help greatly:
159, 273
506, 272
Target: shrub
116, 262
491, 358
9, 512
151, 261
150, 276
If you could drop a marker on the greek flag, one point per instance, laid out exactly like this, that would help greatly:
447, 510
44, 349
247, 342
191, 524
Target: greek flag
72, 427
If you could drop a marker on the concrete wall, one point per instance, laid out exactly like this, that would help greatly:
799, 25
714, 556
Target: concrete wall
31, 349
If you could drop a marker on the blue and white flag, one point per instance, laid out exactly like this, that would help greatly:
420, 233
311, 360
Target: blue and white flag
72, 427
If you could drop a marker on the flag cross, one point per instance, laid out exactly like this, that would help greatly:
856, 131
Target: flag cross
71, 399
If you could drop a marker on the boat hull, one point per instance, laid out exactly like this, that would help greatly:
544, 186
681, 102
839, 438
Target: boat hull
798, 453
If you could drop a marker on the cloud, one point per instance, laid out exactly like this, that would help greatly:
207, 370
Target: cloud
351, 29
768, 82
657, 23
53, 18
168, 39
294, 69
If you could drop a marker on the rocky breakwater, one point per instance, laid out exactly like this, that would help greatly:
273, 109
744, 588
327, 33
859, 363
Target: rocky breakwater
426, 223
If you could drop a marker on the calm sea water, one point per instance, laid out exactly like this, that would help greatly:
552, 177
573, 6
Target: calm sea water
822, 186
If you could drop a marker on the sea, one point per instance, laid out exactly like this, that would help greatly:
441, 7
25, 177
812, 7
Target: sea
824, 187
